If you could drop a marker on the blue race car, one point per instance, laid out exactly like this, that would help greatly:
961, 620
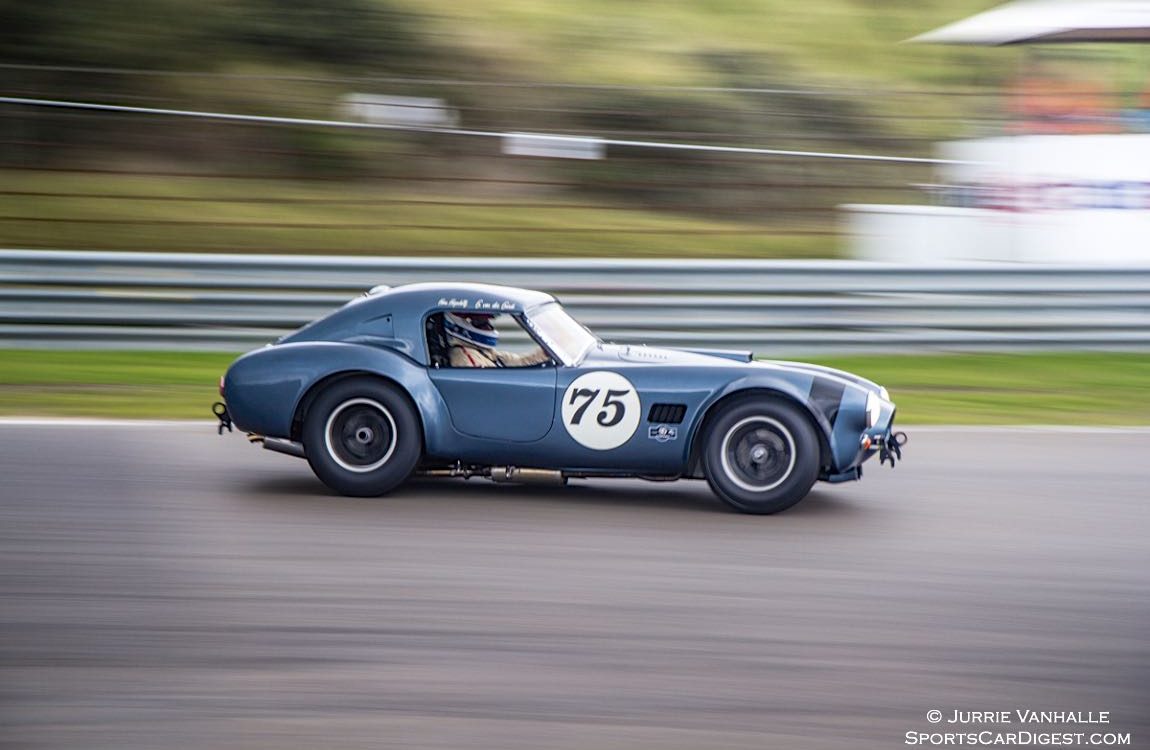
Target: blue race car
412, 380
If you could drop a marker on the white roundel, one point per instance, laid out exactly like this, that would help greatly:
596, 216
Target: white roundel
601, 410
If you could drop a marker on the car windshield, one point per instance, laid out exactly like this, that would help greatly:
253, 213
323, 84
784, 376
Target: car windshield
563, 335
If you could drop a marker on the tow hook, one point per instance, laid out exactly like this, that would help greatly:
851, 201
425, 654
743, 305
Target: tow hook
890, 449
220, 409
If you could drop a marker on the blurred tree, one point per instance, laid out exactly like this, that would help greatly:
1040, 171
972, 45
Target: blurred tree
186, 35
350, 33
125, 34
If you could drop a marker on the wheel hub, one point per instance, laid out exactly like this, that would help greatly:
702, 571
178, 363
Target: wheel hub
360, 435
758, 453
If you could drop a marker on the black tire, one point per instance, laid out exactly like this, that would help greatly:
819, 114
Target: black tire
362, 437
761, 456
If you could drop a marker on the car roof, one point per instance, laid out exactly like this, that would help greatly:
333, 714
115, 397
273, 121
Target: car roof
460, 296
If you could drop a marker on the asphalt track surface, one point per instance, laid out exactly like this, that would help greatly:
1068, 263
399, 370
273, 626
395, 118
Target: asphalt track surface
163, 588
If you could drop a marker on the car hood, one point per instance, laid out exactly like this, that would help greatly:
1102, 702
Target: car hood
608, 354
850, 377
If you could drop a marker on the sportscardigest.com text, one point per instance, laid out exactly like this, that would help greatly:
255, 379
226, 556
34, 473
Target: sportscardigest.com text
1022, 737
1038, 729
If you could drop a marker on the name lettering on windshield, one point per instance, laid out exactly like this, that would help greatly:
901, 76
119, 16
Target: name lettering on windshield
487, 305
501, 306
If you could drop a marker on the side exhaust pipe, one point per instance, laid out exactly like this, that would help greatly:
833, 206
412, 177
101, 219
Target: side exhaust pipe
514, 474
498, 474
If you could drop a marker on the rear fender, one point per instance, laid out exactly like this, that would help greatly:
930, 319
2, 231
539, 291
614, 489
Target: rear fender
268, 390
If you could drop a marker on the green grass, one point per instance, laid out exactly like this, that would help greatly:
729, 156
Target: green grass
1070, 388
1080, 389
209, 215
141, 385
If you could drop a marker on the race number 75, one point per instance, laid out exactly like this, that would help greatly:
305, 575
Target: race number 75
611, 406
601, 410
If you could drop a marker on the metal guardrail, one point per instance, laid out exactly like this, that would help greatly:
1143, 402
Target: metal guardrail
234, 302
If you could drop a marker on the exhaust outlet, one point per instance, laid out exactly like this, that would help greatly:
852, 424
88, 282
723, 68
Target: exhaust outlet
279, 445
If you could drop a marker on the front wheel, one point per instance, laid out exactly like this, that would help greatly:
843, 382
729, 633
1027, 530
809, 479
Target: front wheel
362, 437
761, 456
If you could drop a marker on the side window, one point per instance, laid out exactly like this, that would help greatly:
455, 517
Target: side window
465, 339
437, 346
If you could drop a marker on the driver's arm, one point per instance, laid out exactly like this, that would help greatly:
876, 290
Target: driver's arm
509, 359
461, 356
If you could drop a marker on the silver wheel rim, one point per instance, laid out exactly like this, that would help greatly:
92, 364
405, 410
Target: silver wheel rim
764, 450
360, 428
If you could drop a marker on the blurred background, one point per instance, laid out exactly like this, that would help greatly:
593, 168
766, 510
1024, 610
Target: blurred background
833, 76
444, 84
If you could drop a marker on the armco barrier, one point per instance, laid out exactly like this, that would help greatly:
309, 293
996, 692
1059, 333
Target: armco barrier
108, 300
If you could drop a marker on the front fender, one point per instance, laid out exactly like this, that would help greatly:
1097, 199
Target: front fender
789, 388
264, 388
833, 405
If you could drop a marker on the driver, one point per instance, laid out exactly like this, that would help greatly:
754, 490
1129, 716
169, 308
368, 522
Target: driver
472, 339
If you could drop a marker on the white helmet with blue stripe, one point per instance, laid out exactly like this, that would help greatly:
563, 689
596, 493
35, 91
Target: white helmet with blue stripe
473, 329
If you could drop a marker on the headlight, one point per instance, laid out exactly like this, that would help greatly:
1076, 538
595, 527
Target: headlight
873, 409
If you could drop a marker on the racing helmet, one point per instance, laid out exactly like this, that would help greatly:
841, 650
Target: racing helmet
474, 329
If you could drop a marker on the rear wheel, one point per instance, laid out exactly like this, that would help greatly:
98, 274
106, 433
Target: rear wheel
761, 456
362, 437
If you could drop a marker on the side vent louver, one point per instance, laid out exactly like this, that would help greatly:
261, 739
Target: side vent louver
667, 413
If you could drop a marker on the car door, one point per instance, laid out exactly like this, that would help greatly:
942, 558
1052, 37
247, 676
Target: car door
515, 404
512, 404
